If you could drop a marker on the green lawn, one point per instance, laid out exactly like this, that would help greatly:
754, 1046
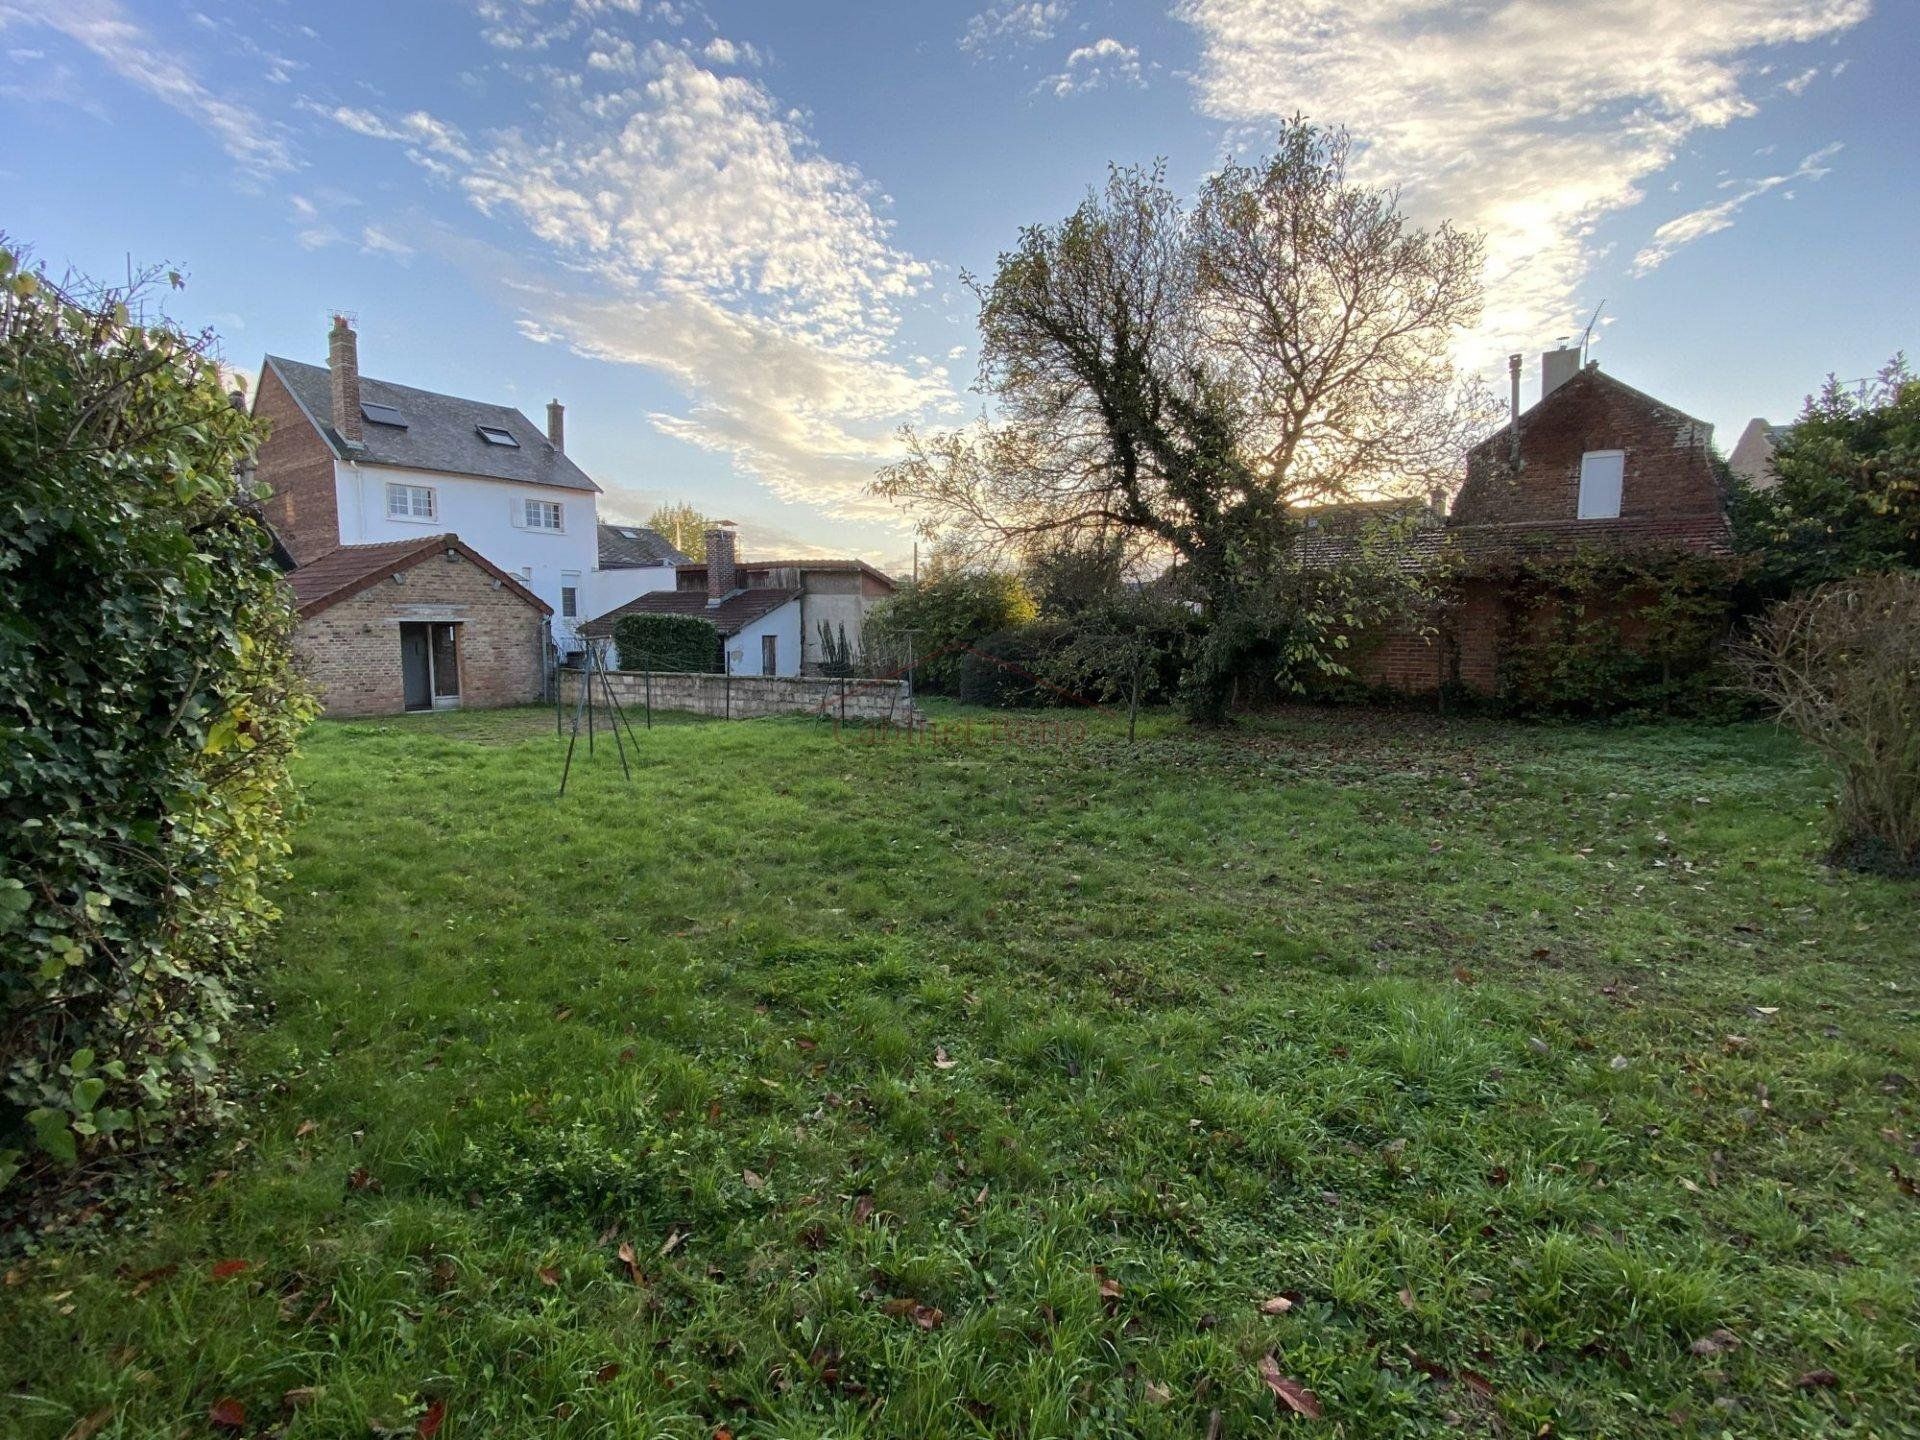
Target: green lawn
990, 1088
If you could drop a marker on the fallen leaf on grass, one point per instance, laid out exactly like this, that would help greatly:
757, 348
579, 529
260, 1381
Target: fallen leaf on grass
1477, 1383
1905, 1183
147, 1279
751, 1179
300, 1396
549, 1277
227, 1414
606, 1373
362, 1179
431, 1422
862, 1209
673, 1242
927, 1317
1718, 1343
1291, 1393
1818, 1380
942, 1060
1276, 1305
1158, 1394
1110, 1288
226, 1269
305, 1128
88, 1426
1406, 1298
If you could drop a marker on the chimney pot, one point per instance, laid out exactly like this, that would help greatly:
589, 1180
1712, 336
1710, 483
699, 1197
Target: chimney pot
557, 425
722, 572
343, 371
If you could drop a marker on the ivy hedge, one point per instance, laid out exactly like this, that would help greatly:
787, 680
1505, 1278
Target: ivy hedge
681, 644
1619, 632
148, 706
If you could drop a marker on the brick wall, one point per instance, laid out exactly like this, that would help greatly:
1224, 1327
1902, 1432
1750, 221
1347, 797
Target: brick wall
352, 650
1669, 486
746, 697
297, 467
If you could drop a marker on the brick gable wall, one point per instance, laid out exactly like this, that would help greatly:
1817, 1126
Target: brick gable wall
1669, 486
351, 651
296, 466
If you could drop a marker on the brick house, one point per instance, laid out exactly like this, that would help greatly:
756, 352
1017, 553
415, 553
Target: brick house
424, 624
1594, 465
351, 460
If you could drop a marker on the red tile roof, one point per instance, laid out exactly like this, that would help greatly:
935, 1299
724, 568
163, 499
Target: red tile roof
344, 572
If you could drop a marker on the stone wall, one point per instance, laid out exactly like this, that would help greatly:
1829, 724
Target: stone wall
746, 697
351, 651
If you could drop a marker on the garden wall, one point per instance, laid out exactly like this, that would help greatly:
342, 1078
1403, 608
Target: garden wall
746, 697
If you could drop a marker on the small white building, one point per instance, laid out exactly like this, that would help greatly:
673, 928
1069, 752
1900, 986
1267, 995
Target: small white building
759, 625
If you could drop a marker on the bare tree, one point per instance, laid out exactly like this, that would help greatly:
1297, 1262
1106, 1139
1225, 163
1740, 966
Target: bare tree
1187, 376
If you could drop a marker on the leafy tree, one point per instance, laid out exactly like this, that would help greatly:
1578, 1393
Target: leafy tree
1120, 650
933, 622
1848, 495
1070, 576
684, 527
148, 706
1186, 375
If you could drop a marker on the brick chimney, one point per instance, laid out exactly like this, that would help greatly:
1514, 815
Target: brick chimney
557, 425
722, 574
343, 369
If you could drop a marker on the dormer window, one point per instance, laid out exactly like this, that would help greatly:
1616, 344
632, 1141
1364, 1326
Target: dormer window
1601, 472
495, 435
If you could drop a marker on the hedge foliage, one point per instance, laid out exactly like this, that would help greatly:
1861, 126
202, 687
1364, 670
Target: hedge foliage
678, 644
1619, 632
148, 706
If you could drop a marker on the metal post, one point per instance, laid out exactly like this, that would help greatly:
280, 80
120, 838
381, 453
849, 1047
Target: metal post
646, 662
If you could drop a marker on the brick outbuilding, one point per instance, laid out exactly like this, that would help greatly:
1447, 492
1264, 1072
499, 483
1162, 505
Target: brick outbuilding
1595, 465
417, 625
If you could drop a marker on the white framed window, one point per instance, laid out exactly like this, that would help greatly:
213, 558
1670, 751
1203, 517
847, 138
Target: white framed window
1600, 474
569, 594
411, 502
542, 515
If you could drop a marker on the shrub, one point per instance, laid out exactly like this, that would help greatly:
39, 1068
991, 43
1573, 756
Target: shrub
1842, 665
933, 622
1010, 669
685, 644
148, 705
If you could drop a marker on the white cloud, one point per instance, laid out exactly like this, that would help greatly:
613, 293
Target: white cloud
1105, 62
1532, 119
812, 421
132, 53
375, 241
1013, 22
711, 242
1711, 219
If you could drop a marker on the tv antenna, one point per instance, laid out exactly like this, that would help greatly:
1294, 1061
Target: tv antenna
1586, 336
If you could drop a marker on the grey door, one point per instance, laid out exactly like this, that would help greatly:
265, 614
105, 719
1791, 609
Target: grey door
416, 669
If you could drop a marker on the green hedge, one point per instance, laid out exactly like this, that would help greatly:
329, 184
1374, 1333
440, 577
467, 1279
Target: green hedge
148, 706
683, 644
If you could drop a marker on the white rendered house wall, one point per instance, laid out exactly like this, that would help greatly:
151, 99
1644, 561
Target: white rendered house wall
492, 516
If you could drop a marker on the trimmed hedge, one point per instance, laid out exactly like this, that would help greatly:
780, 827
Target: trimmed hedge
148, 706
680, 644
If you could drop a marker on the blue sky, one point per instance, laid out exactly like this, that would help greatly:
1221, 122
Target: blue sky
729, 236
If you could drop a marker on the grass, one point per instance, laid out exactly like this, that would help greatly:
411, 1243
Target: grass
989, 1088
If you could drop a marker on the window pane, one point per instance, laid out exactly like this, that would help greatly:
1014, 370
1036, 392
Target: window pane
1600, 476
569, 601
396, 499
